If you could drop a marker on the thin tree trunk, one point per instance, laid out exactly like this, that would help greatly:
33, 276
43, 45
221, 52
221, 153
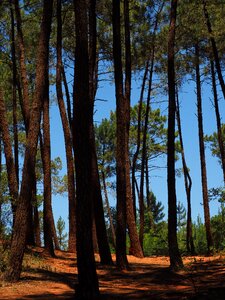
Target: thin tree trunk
68, 104
20, 228
46, 162
121, 258
135, 246
37, 230
14, 85
202, 154
88, 287
218, 120
214, 48
109, 210
138, 143
175, 257
103, 245
188, 184
144, 146
67, 136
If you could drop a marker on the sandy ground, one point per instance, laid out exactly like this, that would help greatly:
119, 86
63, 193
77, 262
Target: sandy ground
148, 278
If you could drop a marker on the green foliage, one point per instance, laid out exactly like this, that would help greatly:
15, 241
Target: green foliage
62, 237
155, 242
199, 235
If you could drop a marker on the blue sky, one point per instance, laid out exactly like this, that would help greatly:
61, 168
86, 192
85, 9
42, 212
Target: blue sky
158, 177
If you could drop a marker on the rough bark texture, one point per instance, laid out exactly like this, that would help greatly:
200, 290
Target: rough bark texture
37, 230
175, 257
82, 125
214, 48
25, 103
67, 136
202, 154
11, 170
121, 258
135, 246
188, 184
20, 227
218, 119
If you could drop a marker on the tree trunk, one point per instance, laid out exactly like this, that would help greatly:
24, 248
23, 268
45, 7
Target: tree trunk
20, 227
218, 120
82, 126
109, 210
68, 104
135, 246
214, 48
202, 154
135, 156
121, 258
11, 170
37, 230
46, 162
22, 62
103, 245
14, 85
67, 136
188, 184
175, 257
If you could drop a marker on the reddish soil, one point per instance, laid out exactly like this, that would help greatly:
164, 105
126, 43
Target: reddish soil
149, 278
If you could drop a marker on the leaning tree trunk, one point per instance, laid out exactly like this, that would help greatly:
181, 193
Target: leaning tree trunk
121, 258
188, 184
175, 257
218, 119
10, 166
20, 227
138, 143
202, 154
135, 245
214, 48
82, 126
67, 135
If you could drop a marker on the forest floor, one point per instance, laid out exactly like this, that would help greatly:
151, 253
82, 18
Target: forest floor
148, 278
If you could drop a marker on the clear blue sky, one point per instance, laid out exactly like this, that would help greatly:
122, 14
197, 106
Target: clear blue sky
158, 177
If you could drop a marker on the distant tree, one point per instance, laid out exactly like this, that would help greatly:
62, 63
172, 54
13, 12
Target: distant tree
62, 237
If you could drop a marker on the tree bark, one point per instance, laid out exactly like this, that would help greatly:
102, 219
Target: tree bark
202, 154
26, 102
82, 126
175, 257
121, 258
20, 227
218, 119
10, 165
135, 246
67, 136
103, 245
